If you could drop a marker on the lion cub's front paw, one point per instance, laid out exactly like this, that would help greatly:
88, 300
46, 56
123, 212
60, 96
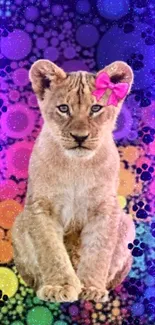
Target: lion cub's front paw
94, 294
66, 293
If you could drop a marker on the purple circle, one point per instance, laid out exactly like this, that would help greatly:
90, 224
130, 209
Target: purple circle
132, 135
73, 310
63, 45
51, 53
41, 43
17, 45
87, 35
61, 37
83, 7
45, 3
54, 41
17, 121
148, 115
47, 34
20, 77
57, 10
123, 124
32, 100
67, 25
32, 59
74, 65
31, 13
29, 27
39, 29
69, 53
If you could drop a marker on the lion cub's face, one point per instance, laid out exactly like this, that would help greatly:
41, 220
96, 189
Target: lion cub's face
76, 120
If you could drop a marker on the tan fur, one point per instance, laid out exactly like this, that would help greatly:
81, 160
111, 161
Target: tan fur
71, 240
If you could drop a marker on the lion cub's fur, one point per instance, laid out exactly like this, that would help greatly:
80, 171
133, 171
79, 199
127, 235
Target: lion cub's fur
71, 240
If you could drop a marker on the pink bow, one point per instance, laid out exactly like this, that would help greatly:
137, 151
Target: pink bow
103, 83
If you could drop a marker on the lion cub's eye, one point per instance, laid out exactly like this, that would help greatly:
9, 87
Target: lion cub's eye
96, 108
63, 108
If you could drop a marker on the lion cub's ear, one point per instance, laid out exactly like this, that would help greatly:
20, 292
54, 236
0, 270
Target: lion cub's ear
42, 74
119, 71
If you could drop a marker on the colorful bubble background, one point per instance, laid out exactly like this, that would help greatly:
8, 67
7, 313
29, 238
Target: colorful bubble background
85, 35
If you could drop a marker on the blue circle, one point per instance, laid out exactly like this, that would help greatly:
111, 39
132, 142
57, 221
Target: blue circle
115, 45
137, 309
149, 292
112, 9
149, 280
83, 7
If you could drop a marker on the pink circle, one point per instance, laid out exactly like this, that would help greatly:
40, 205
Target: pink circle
17, 159
21, 159
148, 115
152, 187
32, 101
20, 77
14, 95
8, 190
151, 148
18, 121
143, 160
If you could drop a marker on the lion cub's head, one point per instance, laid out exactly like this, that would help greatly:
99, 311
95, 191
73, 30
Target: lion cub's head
72, 114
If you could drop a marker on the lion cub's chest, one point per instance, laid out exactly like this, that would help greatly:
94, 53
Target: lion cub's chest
73, 204
74, 210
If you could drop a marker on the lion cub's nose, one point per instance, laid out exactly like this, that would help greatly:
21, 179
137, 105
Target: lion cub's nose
79, 139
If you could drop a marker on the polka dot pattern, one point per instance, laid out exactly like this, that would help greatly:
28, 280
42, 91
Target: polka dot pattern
79, 36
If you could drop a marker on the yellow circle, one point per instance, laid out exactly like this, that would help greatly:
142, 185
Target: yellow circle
94, 315
116, 303
8, 282
122, 201
102, 317
98, 306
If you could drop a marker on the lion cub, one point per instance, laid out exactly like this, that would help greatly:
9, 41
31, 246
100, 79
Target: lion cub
71, 240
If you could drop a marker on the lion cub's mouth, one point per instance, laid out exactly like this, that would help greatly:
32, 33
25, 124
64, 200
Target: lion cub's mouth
80, 147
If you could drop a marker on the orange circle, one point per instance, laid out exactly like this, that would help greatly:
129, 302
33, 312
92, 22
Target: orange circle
6, 251
127, 182
130, 153
116, 311
9, 209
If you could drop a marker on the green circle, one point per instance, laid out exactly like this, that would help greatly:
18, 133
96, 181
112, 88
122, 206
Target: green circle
60, 322
17, 323
12, 301
39, 316
4, 310
19, 309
